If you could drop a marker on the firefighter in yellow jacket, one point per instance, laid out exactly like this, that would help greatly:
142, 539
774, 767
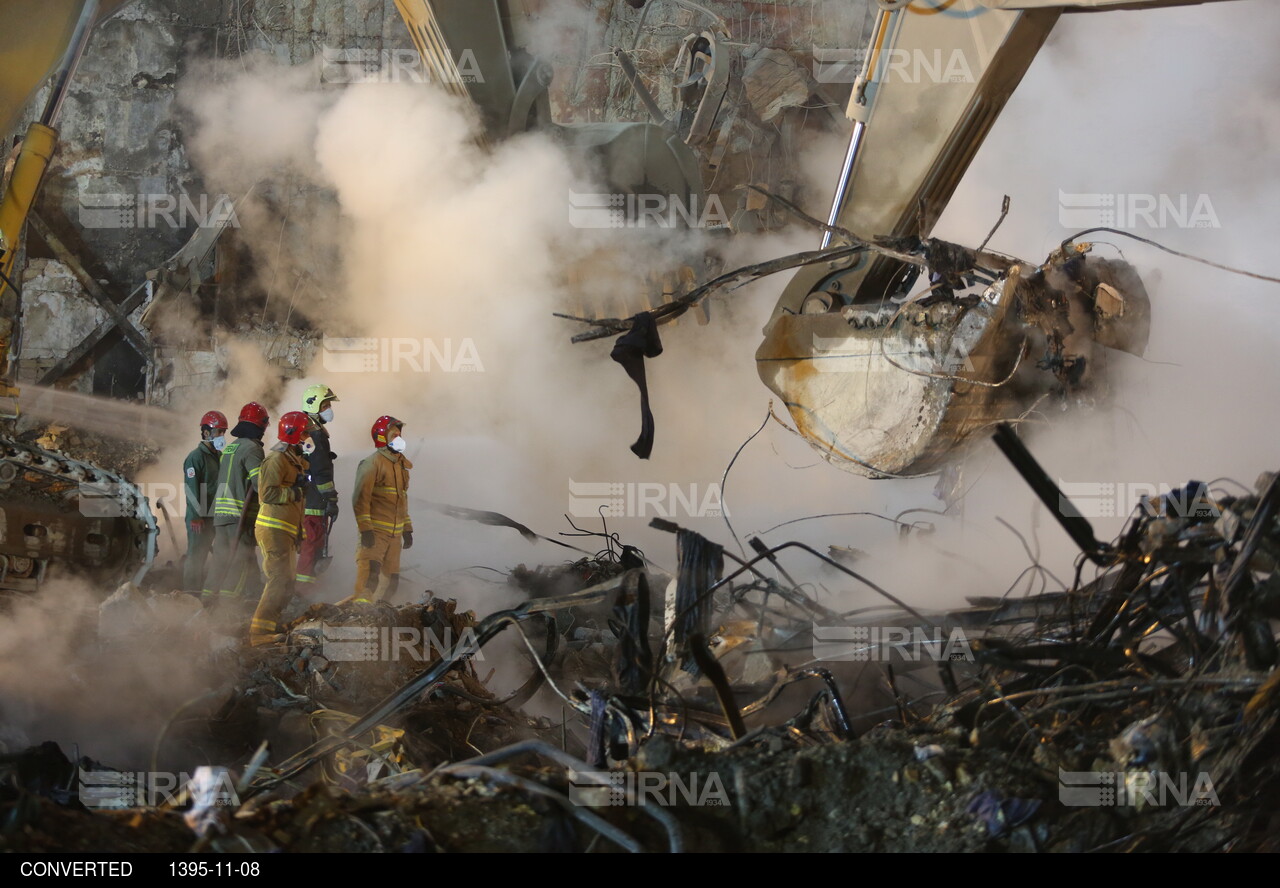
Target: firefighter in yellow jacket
381, 506
282, 485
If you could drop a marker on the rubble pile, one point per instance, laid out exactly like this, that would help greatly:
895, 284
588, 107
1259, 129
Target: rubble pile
1150, 691
336, 660
724, 709
125, 458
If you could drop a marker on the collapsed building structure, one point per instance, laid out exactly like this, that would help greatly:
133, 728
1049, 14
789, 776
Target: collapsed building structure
1135, 710
687, 716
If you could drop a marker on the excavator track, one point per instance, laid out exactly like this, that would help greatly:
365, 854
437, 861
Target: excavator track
77, 518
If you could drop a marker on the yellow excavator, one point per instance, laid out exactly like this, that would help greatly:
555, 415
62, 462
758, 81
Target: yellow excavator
54, 510
887, 382
37, 38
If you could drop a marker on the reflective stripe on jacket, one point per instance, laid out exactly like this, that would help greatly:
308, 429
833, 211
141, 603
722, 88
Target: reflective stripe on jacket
320, 492
381, 498
282, 503
237, 476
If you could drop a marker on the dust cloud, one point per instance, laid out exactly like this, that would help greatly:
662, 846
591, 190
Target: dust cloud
108, 694
411, 234
1196, 406
448, 244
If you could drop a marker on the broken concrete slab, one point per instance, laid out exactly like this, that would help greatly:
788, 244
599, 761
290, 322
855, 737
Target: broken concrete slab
772, 81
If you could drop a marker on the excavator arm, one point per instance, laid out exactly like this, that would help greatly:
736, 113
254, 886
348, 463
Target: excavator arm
37, 37
54, 510
933, 81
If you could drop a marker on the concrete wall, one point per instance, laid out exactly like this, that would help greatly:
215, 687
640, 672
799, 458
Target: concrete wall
123, 194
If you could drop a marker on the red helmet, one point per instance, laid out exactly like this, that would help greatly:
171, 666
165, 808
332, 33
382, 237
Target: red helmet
293, 427
214, 419
379, 430
255, 413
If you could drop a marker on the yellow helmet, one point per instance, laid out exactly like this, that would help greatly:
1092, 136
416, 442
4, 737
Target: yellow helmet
315, 395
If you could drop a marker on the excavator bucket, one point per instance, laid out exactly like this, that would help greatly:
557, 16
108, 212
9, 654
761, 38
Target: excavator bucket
888, 381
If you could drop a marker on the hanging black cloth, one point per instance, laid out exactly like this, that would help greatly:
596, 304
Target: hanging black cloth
633, 666
701, 564
632, 347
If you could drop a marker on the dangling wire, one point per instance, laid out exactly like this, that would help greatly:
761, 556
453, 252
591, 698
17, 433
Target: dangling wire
1171, 251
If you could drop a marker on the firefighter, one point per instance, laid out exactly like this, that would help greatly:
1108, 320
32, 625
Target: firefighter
282, 488
235, 508
322, 498
200, 475
381, 506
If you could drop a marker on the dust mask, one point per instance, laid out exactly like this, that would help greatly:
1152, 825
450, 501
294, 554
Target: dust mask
397, 444
326, 415
219, 442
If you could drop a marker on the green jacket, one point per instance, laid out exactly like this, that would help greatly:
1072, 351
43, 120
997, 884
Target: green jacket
200, 474
237, 478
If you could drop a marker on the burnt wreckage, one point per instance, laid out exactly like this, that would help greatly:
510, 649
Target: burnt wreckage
1135, 709
726, 707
